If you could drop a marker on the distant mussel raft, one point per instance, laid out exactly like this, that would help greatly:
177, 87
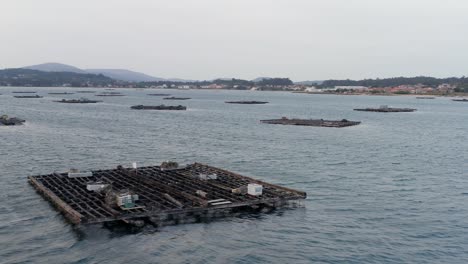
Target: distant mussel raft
110, 94
158, 94
28, 96
311, 122
78, 101
385, 109
176, 98
158, 107
246, 102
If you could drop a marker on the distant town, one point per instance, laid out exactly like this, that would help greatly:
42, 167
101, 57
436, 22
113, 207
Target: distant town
68, 77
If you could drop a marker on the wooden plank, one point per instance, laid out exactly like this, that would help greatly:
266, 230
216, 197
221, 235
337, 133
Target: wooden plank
69, 212
173, 200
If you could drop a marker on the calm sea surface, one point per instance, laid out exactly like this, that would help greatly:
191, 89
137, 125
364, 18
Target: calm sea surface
391, 190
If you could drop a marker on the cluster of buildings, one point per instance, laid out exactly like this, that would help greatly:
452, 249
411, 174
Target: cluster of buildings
400, 89
415, 89
215, 86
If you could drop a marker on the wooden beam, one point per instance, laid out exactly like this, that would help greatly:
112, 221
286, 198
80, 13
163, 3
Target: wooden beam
69, 212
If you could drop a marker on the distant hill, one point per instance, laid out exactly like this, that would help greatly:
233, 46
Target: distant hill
125, 75
54, 67
36, 78
117, 74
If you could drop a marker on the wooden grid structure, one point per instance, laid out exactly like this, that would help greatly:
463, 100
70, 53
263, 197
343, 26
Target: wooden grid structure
311, 122
163, 194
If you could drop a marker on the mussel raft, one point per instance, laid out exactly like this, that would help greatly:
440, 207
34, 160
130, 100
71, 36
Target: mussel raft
159, 107
160, 195
246, 102
159, 94
176, 98
28, 96
78, 101
385, 109
311, 122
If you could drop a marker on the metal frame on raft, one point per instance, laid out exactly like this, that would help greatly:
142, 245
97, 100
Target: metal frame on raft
160, 195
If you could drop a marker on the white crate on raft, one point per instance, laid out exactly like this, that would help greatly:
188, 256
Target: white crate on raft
254, 189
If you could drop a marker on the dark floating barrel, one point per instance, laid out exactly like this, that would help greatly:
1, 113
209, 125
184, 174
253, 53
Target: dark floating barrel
159, 107
246, 102
386, 109
10, 121
311, 122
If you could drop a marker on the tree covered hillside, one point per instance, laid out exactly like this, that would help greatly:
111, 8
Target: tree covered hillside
27, 77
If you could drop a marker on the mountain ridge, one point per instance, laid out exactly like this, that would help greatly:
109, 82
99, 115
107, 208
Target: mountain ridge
117, 74
54, 67
125, 75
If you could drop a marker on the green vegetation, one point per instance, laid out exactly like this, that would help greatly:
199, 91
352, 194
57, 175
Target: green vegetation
461, 88
26, 77
376, 91
236, 84
402, 92
275, 82
232, 82
427, 81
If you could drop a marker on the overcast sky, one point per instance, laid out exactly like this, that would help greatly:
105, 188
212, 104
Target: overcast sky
205, 39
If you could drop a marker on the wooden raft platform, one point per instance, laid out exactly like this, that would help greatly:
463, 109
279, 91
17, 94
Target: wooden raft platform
246, 102
165, 196
27, 96
385, 109
311, 122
